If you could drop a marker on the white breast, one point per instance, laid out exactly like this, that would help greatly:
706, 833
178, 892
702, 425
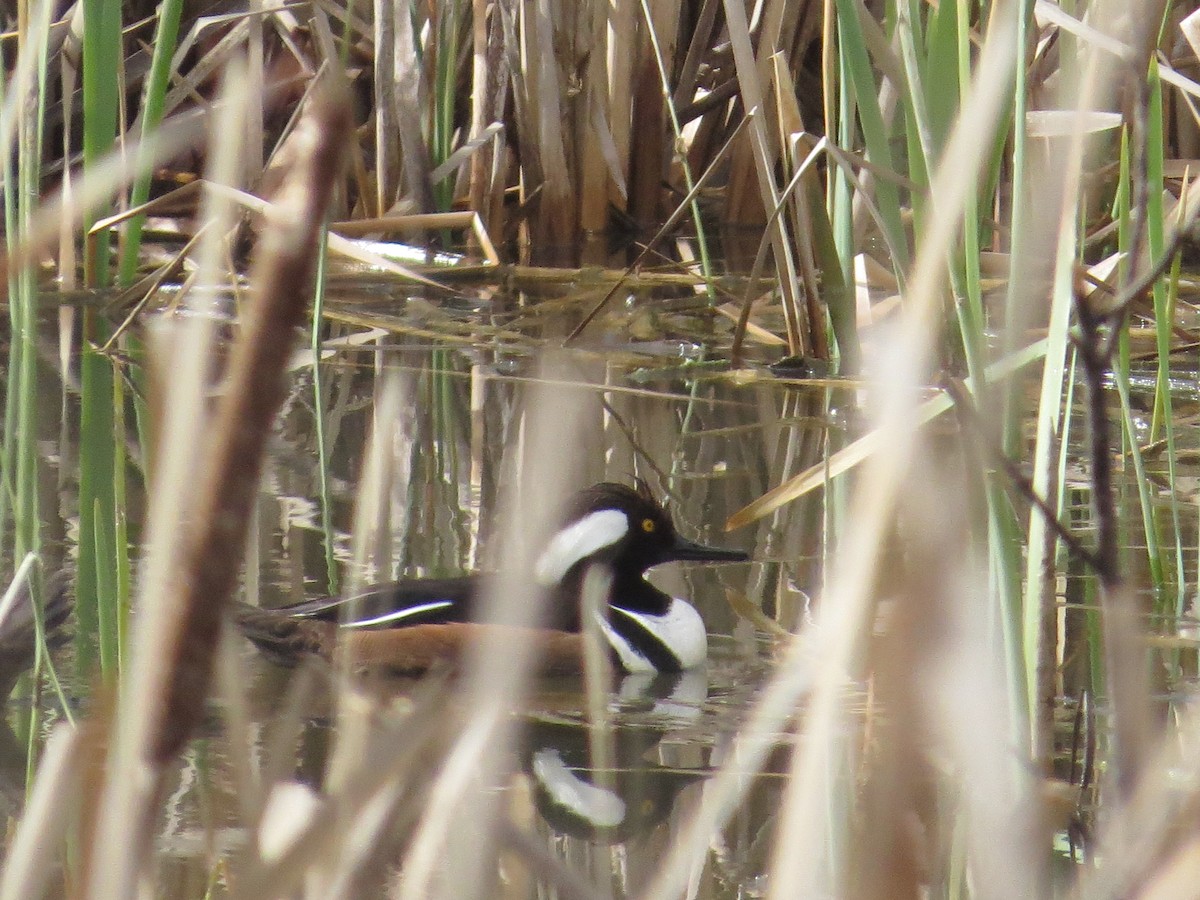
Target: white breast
680, 629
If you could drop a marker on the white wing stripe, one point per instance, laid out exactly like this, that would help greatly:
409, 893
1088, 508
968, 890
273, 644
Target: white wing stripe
400, 614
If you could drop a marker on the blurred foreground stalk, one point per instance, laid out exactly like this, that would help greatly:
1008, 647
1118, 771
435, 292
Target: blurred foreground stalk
183, 597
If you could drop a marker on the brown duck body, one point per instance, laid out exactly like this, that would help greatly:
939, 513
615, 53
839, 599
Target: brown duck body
412, 650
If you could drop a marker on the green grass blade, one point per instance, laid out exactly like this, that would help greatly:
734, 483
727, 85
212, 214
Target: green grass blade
1164, 313
165, 36
98, 555
870, 116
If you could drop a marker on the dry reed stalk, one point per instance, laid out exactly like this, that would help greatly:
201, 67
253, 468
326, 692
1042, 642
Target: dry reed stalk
622, 37
844, 618
410, 86
512, 25
791, 128
361, 785
211, 59
861, 449
746, 204
648, 155
385, 469
743, 320
1100, 83
593, 170
112, 173
968, 717
750, 86
421, 223
779, 29
230, 689
597, 677
682, 209
557, 208
497, 154
483, 90
31, 854
387, 149
713, 107
545, 864
699, 45
391, 754
252, 158
1139, 834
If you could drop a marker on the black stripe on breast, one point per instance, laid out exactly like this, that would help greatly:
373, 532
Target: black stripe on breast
645, 643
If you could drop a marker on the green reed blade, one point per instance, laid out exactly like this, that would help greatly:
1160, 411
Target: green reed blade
101, 84
445, 93
106, 587
98, 555
153, 97
21, 192
8, 454
853, 48
1121, 371
323, 449
840, 200
1019, 219
1164, 312
1047, 436
677, 130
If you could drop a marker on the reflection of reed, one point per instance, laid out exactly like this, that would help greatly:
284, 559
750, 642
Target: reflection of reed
12, 773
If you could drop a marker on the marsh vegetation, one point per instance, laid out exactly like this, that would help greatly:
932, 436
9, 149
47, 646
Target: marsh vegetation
302, 296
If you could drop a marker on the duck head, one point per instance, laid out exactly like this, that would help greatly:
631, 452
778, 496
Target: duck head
624, 527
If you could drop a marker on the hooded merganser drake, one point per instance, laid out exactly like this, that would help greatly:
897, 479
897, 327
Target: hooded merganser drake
405, 627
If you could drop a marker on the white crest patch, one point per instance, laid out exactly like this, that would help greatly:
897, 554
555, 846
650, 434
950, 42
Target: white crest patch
399, 615
577, 542
598, 806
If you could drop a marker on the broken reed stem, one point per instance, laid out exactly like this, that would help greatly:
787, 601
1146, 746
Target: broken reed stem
212, 546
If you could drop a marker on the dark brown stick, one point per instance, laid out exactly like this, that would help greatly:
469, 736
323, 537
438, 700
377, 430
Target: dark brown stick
1126, 674
214, 540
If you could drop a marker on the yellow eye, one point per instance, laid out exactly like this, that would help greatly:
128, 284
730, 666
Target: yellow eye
648, 526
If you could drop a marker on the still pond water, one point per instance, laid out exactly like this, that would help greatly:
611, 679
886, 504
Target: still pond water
653, 397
